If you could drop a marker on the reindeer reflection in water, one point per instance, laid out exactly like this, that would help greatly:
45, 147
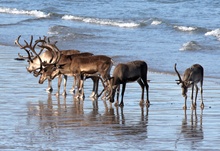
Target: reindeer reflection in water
191, 131
54, 115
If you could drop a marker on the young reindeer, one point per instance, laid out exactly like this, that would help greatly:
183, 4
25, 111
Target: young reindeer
129, 72
191, 77
80, 66
47, 56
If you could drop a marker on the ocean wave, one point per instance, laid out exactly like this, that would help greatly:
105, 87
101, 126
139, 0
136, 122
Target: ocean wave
102, 21
190, 46
185, 28
66, 33
36, 13
215, 33
156, 22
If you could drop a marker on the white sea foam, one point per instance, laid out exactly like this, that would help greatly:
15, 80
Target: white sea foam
192, 45
101, 21
185, 28
215, 33
156, 22
36, 13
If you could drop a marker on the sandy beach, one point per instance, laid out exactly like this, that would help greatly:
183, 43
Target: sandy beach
32, 119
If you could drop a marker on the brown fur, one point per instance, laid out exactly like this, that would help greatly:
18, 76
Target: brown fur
129, 72
191, 77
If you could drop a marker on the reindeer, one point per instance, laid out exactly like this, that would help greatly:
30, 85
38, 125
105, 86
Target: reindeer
49, 69
191, 77
80, 66
47, 56
129, 72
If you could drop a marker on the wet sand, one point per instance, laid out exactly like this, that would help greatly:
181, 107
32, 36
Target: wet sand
32, 119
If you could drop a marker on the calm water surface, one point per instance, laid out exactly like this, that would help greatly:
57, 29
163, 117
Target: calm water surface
32, 119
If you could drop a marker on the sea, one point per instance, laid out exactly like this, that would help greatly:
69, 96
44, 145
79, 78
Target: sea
160, 32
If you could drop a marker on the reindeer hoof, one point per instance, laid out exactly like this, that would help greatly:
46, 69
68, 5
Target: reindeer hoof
193, 107
64, 94
82, 97
92, 95
72, 91
141, 103
103, 98
147, 105
76, 97
50, 89
121, 104
202, 106
95, 97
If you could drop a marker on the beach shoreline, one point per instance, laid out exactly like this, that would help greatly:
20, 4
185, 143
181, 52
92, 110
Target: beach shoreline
30, 114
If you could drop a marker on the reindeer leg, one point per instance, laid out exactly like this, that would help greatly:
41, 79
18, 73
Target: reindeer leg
197, 89
81, 89
122, 94
72, 90
64, 83
202, 104
77, 78
117, 97
142, 88
118, 91
59, 83
185, 106
95, 87
147, 91
144, 80
49, 88
192, 104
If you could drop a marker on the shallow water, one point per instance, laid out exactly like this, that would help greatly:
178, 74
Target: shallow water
32, 119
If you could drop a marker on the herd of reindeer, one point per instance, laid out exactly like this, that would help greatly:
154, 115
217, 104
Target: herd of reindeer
48, 62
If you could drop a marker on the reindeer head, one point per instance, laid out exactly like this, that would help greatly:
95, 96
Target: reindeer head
49, 70
112, 89
46, 73
185, 82
34, 62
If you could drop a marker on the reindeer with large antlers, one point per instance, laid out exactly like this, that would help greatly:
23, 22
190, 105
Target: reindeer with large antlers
48, 69
80, 66
191, 77
47, 56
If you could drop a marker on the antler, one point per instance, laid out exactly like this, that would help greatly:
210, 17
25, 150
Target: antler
29, 46
54, 51
23, 57
180, 79
25, 48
